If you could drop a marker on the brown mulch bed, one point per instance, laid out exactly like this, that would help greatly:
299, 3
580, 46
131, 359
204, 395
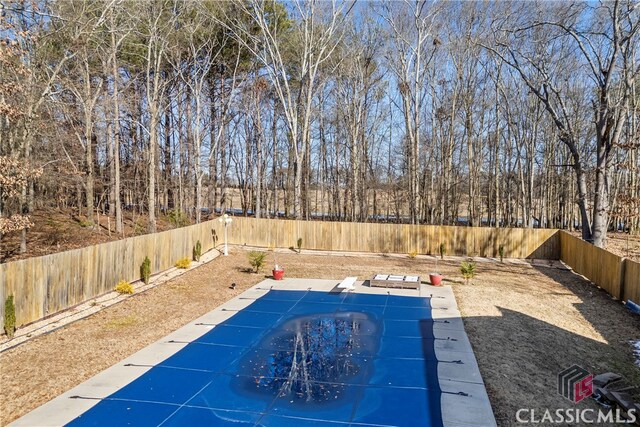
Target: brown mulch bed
526, 323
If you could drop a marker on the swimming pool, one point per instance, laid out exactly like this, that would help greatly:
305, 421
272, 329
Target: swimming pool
294, 358
373, 356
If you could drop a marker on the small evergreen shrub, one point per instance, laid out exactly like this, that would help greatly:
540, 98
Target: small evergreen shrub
257, 260
468, 270
56, 234
183, 263
442, 250
299, 243
9, 317
124, 287
84, 223
501, 252
145, 270
177, 218
139, 229
197, 251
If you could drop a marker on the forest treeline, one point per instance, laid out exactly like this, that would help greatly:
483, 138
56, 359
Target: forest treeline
492, 113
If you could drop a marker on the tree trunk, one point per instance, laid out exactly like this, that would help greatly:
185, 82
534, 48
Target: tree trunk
581, 182
601, 199
88, 179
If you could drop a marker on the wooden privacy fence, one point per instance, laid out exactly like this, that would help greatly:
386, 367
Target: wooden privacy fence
619, 276
396, 238
44, 285
631, 281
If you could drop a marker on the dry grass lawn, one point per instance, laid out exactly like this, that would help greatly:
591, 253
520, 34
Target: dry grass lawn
526, 323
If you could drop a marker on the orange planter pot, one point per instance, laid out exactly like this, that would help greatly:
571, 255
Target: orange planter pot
435, 279
278, 274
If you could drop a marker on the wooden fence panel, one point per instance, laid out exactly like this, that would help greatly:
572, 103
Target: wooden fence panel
344, 238
80, 283
457, 246
129, 267
329, 235
57, 283
290, 233
598, 265
104, 279
395, 238
380, 238
632, 281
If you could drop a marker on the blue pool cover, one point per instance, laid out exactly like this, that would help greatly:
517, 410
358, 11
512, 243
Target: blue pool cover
294, 358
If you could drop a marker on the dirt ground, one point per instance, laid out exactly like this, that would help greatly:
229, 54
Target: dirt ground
625, 245
57, 230
526, 323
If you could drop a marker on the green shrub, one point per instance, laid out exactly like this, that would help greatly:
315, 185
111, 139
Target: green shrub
124, 287
177, 218
197, 251
56, 233
122, 322
468, 270
9, 317
183, 263
145, 270
501, 252
257, 260
84, 223
299, 243
139, 229
442, 249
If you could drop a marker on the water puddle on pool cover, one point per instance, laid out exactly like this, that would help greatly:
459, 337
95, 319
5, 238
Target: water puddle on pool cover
311, 359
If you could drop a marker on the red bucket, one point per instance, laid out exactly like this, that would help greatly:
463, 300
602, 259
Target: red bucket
278, 274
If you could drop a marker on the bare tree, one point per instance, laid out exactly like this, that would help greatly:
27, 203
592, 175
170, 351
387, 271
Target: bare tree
357, 89
118, 29
157, 21
316, 31
84, 81
604, 37
413, 49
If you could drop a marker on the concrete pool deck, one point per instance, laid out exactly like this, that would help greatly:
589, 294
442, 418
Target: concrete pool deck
464, 401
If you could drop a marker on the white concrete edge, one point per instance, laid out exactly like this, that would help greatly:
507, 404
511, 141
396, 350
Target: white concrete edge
464, 396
